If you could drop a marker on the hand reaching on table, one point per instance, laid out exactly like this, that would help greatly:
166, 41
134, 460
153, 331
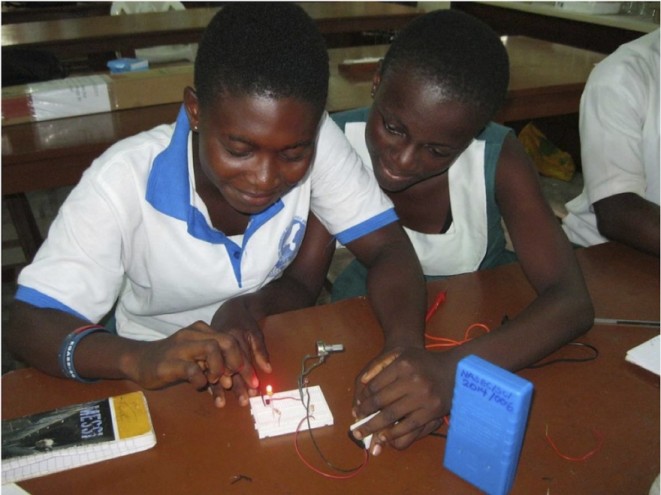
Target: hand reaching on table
196, 354
234, 321
412, 389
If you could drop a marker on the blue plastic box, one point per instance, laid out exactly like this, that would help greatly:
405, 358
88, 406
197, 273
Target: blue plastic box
120, 65
487, 423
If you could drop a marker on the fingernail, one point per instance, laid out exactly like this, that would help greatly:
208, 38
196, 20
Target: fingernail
376, 450
357, 435
220, 402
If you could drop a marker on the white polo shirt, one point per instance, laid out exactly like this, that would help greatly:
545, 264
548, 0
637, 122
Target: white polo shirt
619, 127
135, 231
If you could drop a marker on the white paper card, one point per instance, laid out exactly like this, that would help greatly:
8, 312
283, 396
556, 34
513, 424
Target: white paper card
646, 355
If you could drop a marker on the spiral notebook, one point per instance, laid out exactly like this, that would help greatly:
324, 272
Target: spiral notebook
76, 435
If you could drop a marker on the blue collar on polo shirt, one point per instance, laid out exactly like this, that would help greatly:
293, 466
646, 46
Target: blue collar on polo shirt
168, 190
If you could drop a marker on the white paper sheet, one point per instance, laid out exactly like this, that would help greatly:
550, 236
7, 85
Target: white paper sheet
646, 355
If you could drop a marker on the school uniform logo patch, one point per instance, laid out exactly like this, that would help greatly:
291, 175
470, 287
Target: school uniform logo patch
290, 243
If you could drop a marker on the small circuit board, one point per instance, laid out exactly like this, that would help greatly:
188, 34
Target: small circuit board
285, 412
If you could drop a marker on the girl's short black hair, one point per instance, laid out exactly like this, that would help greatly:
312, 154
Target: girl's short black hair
457, 52
269, 49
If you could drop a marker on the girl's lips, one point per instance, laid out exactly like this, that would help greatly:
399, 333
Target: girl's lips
386, 172
257, 199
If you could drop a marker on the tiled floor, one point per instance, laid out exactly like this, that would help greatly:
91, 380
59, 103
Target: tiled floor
46, 203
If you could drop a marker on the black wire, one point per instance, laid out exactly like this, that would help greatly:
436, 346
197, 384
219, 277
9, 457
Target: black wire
306, 403
595, 355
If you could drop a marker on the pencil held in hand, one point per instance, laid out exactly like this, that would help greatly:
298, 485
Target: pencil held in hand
379, 366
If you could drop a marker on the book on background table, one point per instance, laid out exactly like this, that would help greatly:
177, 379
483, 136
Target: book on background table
75, 435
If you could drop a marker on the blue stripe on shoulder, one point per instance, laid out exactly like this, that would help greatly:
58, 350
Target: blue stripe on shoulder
41, 300
368, 226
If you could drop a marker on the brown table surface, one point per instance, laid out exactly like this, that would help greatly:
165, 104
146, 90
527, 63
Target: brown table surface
201, 448
82, 36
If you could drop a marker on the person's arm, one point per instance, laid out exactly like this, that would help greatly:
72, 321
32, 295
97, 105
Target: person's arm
630, 219
298, 287
619, 154
195, 354
219, 355
416, 387
395, 284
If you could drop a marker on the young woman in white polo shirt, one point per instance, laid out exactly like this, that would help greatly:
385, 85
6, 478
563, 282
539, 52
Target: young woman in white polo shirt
195, 231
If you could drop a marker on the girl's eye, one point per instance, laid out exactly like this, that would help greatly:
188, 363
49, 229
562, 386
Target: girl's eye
439, 153
392, 129
237, 153
296, 154
294, 158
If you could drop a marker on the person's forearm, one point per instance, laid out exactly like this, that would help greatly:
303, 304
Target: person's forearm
279, 296
36, 336
629, 219
556, 317
398, 295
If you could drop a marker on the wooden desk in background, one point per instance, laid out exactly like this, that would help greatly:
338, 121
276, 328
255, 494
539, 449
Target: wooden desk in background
546, 79
16, 12
75, 37
200, 448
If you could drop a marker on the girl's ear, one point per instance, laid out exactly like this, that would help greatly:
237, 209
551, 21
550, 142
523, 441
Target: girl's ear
192, 107
376, 80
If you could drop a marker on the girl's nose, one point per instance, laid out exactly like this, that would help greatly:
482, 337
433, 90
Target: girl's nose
265, 175
404, 158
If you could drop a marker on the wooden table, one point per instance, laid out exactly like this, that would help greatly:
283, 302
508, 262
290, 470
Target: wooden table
546, 79
75, 37
13, 13
545, 20
201, 448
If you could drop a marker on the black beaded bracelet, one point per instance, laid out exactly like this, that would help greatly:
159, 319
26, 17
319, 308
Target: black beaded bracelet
65, 356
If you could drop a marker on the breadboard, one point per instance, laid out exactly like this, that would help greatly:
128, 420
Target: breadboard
282, 412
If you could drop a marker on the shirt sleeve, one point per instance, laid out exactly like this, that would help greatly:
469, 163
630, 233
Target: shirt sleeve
346, 197
78, 269
612, 113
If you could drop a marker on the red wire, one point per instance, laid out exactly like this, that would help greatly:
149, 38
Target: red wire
441, 342
323, 473
584, 457
446, 342
440, 299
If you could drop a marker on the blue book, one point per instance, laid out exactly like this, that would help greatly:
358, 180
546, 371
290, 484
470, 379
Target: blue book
487, 423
